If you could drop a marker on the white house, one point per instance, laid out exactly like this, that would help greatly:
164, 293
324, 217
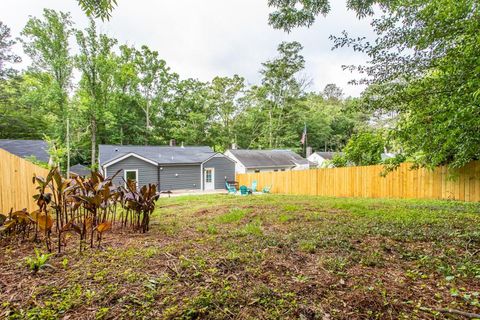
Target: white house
249, 161
320, 158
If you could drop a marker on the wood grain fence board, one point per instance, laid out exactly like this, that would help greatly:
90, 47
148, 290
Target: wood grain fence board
16, 187
367, 182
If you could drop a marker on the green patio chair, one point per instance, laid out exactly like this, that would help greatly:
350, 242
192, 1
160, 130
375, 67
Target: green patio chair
254, 186
230, 188
266, 189
244, 191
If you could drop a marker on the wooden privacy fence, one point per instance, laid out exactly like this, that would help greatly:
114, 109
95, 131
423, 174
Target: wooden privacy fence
16, 187
366, 182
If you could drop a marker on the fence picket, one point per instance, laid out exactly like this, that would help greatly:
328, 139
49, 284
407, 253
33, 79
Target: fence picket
367, 182
16, 187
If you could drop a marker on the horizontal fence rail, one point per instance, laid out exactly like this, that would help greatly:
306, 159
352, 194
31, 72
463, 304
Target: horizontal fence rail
16, 186
367, 182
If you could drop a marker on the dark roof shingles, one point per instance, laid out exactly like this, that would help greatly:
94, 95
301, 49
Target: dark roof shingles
80, 170
268, 158
329, 155
26, 148
158, 154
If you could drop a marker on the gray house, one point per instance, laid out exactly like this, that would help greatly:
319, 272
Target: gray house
170, 168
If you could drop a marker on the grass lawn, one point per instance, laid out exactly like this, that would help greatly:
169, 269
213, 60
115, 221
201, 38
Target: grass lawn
263, 257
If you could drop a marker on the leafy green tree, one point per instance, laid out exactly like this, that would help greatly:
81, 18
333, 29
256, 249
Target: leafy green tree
433, 84
280, 89
423, 68
6, 54
98, 8
338, 161
97, 63
365, 148
46, 41
126, 123
23, 115
290, 14
224, 98
189, 113
332, 92
154, 82
330, 122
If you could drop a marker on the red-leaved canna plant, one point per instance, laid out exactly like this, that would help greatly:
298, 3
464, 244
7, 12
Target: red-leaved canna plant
139, 204
86, 207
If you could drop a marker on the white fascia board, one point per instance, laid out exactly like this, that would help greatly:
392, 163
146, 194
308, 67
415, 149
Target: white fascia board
128, 155
219, 155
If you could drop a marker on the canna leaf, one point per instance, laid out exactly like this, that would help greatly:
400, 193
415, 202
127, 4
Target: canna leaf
45, 222
103, 227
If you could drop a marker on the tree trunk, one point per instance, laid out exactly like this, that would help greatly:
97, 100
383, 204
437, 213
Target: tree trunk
147, 112
270, 137
93, 129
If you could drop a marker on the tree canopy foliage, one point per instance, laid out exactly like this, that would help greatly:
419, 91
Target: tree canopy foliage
423, 68
98, 8
422, 80
129, 95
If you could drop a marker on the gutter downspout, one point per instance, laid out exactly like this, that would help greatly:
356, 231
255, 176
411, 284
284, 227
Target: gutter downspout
201, 176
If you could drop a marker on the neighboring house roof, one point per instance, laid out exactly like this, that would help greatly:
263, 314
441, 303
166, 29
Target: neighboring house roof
386, 156
156, 154
80, 170
328, 155
268, 158
26, 148
312, 164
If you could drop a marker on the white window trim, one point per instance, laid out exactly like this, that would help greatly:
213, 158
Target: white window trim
125, 175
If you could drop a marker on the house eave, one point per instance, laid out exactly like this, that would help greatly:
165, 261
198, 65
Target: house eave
128, 155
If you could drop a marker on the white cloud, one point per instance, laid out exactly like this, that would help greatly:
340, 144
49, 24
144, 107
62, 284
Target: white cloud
202, 39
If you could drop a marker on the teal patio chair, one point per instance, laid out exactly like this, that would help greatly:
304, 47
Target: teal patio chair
254, 186
230, 188
267, 189
244, 191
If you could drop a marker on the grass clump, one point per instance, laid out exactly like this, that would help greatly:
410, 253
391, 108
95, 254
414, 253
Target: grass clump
251, 229
234, 215
308, 246
283, 218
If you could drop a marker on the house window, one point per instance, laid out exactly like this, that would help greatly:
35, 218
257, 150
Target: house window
257, 170
208, 177
131, 175
283, 169
275, 170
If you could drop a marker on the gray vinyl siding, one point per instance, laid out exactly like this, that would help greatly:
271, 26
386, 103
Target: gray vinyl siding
188, 177
223, 168
147, 172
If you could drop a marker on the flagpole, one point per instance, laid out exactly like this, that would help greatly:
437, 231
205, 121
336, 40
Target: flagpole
306, 139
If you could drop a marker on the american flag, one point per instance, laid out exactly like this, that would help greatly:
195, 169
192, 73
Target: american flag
304, 135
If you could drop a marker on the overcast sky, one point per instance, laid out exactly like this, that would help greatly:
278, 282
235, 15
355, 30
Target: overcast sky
203, 39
